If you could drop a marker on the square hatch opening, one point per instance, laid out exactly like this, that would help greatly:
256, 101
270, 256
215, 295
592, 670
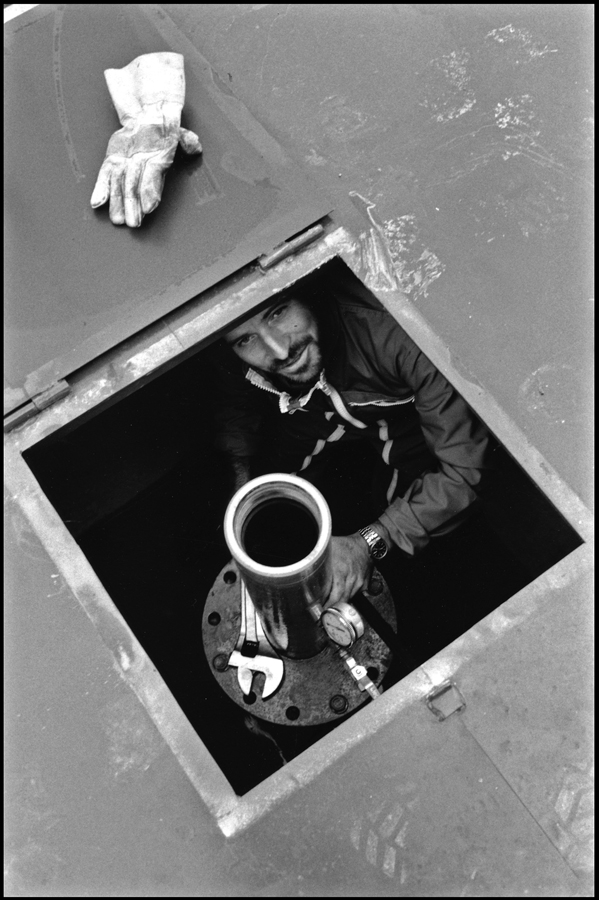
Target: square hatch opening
143, 490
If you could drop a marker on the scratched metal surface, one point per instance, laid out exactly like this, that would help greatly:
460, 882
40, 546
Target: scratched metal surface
463, 133
75, 284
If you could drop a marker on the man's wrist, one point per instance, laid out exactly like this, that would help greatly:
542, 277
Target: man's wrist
383, 532
375, 541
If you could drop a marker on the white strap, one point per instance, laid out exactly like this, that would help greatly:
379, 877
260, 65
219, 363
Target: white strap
339, 405
392, 486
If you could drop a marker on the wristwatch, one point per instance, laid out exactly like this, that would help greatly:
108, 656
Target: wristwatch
376, 545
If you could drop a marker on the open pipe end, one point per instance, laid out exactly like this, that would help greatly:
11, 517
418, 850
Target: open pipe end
278, 526
278, 529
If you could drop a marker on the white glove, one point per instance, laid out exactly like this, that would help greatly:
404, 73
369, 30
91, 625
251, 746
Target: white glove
148, 96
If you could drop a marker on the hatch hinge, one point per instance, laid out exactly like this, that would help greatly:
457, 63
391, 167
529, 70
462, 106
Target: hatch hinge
288, 247
41, 401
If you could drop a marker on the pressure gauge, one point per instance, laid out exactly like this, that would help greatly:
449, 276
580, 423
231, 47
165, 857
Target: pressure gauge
343, 624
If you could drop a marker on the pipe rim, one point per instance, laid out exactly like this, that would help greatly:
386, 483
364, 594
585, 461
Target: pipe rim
270, 480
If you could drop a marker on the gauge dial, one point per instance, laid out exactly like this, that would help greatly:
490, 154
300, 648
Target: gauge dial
343, 624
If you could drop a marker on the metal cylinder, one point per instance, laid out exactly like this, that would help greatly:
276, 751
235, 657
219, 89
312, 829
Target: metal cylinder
278, 529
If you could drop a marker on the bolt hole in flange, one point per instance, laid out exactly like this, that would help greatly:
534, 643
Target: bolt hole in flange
230, 577
292, 713
373, 673
249, 698
213, 618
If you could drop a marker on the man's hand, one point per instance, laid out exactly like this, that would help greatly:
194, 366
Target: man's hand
352, 567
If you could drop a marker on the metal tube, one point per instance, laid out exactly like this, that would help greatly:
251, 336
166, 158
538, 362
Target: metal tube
258, 532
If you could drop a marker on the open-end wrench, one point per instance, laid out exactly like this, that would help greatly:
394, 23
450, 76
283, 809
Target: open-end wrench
253, 653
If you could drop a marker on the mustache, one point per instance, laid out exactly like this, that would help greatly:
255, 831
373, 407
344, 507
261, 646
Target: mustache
295, 351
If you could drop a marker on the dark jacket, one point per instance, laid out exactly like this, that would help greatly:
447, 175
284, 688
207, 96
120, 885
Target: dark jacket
377, 384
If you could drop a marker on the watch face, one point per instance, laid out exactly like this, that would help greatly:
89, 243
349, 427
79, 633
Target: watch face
376, 545
379, 549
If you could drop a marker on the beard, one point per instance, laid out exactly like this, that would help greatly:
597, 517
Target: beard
308, 373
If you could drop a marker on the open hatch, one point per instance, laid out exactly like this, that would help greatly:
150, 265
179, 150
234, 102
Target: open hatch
142, 490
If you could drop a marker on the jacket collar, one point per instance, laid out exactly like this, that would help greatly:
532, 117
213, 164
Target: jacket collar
287, 403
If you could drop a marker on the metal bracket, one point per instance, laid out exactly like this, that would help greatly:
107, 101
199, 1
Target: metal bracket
444, 700
41, 401
289, 247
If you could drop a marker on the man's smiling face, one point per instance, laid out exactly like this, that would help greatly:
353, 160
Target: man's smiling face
281, 341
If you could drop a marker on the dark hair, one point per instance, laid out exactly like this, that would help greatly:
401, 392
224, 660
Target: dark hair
305, 293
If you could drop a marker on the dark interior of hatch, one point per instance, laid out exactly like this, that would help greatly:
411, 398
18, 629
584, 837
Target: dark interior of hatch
142, 490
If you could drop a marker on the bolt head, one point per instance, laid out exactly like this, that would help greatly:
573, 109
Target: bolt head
220, 662
338, 703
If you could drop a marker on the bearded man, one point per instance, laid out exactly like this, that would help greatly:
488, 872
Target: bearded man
304, 378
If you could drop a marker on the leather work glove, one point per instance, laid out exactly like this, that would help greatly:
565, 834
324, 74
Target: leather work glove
148, 96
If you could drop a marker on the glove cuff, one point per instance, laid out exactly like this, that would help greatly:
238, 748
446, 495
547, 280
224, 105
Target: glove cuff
152, 80
167, 115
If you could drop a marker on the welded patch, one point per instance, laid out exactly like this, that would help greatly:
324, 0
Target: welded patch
394, 254
448, 89
520, 44
415, 265
375, 262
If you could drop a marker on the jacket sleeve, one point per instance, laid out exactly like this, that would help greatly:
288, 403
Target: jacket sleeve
237, 432
436, 502
238, 415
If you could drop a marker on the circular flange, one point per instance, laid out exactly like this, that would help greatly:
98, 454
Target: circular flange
313, 690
